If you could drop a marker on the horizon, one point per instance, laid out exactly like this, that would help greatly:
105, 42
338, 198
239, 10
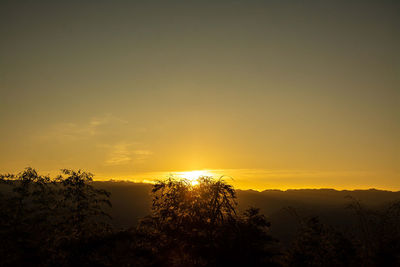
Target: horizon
192, 176
151, 178
145, 182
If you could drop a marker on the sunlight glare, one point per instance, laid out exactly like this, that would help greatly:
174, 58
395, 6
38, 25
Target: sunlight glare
193, 176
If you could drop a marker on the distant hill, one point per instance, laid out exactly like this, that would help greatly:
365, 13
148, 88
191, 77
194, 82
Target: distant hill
132, 201
330, 205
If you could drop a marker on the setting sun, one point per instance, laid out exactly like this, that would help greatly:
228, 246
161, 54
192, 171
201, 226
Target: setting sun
193, 176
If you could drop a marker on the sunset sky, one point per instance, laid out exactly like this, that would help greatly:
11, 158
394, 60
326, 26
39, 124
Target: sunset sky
275, 94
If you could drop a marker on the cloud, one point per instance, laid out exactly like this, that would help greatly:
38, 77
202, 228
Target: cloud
96, 122
123, 154
76, 131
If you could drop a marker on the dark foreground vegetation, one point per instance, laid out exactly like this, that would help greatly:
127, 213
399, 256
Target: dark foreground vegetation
65, 221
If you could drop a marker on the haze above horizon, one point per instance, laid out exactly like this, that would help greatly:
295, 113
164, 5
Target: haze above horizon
274, 94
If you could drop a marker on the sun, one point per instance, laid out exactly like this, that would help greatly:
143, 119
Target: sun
193, 176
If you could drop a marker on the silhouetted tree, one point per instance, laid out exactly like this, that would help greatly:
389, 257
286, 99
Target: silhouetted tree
81, 204
48, 221
199, 226
26, 209
81, 216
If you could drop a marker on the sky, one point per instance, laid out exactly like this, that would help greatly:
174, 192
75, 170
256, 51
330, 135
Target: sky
272, 94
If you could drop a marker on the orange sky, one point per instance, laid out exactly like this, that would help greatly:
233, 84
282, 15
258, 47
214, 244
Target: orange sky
276, 95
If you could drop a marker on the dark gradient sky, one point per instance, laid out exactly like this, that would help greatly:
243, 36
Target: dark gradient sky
275, 93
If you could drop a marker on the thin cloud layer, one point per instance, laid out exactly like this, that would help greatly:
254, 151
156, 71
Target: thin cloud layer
124, 153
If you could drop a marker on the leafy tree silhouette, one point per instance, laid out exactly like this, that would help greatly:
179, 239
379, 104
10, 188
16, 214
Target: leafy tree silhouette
26, 211
199, 226
81, 215
81, 204
48, 221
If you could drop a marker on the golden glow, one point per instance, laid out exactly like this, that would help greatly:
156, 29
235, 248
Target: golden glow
193, 176
227, 100
262, 179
